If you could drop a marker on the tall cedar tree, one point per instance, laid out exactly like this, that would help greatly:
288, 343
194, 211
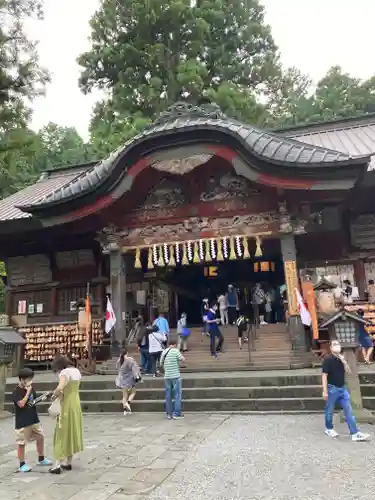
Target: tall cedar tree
148, 55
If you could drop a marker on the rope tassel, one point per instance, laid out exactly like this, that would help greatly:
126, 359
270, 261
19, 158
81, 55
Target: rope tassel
196, 258
138, 263
258, 250
185, 260
232, 252
150, 263
207, 256
172, 261
161, 262
220, 255
246, 253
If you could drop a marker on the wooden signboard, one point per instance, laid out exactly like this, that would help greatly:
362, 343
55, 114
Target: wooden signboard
309, 297
291, 281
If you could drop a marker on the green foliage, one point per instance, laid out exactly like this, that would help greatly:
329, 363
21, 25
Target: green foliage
148, 55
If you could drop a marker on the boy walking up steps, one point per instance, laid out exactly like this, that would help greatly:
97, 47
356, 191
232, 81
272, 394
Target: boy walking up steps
27, 423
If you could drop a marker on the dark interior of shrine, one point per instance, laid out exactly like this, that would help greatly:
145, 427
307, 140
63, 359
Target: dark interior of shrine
194, 282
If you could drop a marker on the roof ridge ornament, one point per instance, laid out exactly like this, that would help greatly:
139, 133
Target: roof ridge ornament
184, 109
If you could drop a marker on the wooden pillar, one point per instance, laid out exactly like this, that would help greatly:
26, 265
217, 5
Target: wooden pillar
118, 294
296, 329
54, 300
9, 304
360, 278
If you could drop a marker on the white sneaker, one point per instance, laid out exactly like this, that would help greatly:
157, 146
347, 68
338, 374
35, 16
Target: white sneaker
360, 437
331, 433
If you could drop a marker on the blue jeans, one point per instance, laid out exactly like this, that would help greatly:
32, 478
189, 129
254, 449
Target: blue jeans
173, 396
145, 361
341, 396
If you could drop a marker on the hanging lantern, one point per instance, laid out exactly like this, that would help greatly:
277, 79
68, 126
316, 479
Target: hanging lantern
185, 260
196, 258
232, 253
207, 255
150, 263
258, 250
138, 263
161, 262
246, 253
172, 261
220, 256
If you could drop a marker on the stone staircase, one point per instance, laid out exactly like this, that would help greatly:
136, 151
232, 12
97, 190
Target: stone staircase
292, 391
272, 350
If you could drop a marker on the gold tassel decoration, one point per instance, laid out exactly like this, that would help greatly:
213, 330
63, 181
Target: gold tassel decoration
150, 263
258, 250
185, 260
246, 253
161, 262
232, 252
220, 255
138, 263
207, 256
172, 260
196, 258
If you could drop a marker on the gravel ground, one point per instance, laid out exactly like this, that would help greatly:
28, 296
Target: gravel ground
208, 457
273, 458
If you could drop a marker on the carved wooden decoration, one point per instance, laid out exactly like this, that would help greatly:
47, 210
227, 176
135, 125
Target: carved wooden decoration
181, 166
195, 228
227, 187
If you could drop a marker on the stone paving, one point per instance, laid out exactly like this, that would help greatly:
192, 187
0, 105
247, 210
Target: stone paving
210, 457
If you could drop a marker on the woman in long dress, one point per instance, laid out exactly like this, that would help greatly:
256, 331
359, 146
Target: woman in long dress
129, 374
68, 435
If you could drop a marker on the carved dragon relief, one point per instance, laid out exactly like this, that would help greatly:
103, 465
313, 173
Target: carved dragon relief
166, 194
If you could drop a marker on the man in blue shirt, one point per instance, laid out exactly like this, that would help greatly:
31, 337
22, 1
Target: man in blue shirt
162, 323
214, 330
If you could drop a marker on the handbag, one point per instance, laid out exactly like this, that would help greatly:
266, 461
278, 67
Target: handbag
55, 408
185, 332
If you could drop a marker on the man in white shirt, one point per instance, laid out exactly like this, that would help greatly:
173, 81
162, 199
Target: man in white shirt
223, 308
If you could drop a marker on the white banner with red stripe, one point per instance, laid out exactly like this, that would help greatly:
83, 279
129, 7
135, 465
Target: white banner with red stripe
110, 318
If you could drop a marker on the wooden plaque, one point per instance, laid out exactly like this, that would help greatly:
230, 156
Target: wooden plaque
291, 281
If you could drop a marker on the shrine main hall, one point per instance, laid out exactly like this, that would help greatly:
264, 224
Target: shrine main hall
195, 202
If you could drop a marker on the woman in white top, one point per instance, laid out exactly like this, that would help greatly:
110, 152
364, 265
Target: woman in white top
156, 342
68, 435
223, 308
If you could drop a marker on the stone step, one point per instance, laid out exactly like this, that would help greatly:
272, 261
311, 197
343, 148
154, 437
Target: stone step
197, 405
114, 394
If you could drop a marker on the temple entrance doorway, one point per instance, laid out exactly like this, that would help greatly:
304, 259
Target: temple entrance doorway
210, 280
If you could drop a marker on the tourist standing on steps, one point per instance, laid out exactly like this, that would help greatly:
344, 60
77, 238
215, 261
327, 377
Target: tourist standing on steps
142, 342
183, 333
223, 309
214, 331
129, 374
335, 392
68, 436
204, 310
162, 323
170, 362
233, 304
156, 345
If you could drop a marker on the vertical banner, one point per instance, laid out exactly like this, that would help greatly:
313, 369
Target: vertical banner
309, 297
291, 282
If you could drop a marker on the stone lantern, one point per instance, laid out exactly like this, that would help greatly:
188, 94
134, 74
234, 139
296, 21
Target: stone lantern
345, 327
9, 341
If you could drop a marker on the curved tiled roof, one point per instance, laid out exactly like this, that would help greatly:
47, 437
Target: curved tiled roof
268, 147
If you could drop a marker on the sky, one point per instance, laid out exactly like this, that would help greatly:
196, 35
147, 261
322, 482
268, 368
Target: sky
312, 35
